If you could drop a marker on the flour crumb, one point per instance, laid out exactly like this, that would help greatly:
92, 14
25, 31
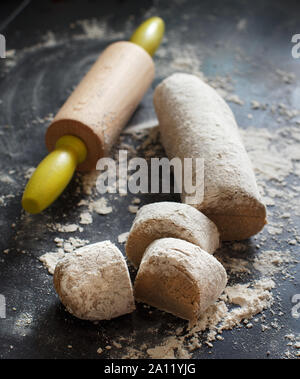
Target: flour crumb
271, 262
51, 259
255, 104
171, 348
100, 206
85, 218
136, 201
122, 238
69, 228
133, 208
233, 98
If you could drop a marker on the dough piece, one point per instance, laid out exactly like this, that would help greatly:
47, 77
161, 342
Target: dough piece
179, 277
170, 219
195, 122
93, 283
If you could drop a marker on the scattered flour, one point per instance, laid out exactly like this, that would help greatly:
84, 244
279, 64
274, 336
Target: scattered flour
51, 259
69, 228
271, 262
275, 156
100, 206
122, 238
86, 218
234, 99
133, 208
97, 29
274, 159
239, 302
286, 77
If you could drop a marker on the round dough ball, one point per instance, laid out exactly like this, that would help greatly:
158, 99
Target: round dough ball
93, 283
179, 277
170, 219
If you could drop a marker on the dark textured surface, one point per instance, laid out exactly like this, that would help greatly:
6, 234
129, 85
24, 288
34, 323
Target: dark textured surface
38, 84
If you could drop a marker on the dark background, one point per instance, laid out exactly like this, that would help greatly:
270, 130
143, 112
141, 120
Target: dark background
39, 83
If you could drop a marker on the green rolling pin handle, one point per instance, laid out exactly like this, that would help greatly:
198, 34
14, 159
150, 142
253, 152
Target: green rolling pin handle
149, 34
55, 172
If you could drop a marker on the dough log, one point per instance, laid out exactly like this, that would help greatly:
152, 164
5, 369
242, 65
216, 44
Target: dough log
179, 277
170, 219
195, 122
94, 284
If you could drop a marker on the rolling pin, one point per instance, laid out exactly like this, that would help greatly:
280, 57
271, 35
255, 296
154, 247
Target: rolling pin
90, 121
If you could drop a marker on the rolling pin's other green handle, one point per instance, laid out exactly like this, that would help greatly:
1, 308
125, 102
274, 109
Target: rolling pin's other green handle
55, 172
149, 34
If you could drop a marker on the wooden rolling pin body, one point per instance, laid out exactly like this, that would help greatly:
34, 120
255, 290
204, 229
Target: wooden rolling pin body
104, 100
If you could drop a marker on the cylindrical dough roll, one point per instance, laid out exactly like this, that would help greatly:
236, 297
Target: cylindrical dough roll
104, 100
195, 122
93, 283
179, 277
170, 219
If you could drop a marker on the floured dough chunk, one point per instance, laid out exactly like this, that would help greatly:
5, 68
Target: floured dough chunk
93, 283
195, 122
170, 219
179, 277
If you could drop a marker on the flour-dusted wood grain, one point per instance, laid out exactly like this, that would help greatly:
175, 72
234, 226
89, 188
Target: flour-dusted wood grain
196, 122
104, 100
93, 283
170, 219
179, 277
